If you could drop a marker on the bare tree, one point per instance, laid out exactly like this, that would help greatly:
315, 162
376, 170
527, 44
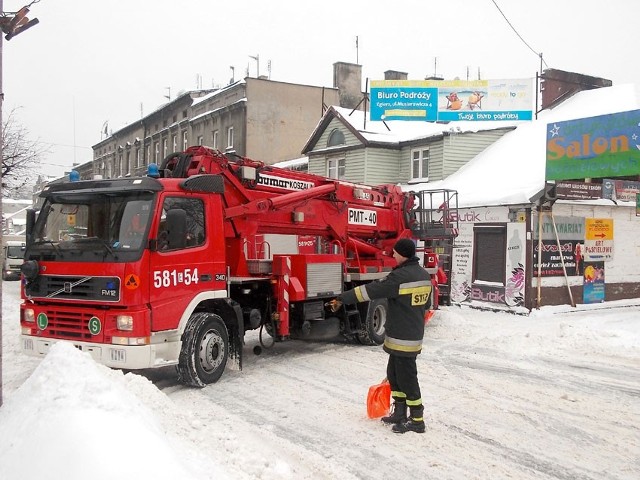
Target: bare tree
20, 159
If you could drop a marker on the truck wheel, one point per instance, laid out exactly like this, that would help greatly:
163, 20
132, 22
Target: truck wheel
205, 350
373, 333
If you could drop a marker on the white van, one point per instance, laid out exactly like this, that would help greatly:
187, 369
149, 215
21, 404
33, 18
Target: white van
12, 258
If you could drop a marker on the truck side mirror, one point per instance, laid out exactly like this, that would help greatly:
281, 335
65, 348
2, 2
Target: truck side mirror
31, 221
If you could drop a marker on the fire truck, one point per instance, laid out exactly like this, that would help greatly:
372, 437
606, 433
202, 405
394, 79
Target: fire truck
173, 268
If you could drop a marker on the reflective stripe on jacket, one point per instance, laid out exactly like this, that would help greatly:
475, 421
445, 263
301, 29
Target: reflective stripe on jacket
408, 289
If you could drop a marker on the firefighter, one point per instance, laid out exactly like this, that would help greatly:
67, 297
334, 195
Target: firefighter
407, 288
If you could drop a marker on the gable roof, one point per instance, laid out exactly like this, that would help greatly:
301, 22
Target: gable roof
512, 170
393, 133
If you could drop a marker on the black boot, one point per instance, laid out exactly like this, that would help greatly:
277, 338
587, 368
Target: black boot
399, 414
414, 424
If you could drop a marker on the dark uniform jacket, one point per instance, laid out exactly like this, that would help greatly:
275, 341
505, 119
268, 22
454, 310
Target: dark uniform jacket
407, 288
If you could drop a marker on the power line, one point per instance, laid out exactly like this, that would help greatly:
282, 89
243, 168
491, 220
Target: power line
61, 145
519, 36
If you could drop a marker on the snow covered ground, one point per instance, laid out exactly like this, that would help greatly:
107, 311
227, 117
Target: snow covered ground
552, 395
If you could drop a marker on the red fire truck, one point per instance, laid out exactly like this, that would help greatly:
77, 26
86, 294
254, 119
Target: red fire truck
168, 269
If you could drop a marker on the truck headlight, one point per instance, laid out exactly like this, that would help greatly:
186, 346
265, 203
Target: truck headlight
29, 315
124, 322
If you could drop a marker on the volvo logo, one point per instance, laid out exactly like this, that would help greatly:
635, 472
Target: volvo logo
67, 287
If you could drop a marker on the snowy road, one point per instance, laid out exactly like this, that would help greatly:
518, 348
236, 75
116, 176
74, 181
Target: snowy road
491, 412
549, 396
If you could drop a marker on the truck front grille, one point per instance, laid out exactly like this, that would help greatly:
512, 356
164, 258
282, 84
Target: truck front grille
67, 287
68, 325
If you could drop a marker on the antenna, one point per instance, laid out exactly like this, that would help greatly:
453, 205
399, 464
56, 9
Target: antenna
357, 52
168, 96
269, 68
257, 59
233, 74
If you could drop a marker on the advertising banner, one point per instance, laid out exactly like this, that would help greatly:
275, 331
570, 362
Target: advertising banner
598, 244
594, 147
620, 190
578, 190
593, 287
571, 235
451, 100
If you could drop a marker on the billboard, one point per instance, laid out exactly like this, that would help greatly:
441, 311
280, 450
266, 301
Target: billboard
451, 100
594, 147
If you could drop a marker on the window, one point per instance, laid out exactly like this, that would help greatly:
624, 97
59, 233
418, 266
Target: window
185, 144
192, 211
230, 137
489, 254
165, 148
200, 140
127, 164
157, 152
215, 140
336, 168
336, 137
174, 140
420, 163
148, 152
138, 157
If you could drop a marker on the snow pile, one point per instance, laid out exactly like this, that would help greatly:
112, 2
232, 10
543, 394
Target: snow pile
71, 408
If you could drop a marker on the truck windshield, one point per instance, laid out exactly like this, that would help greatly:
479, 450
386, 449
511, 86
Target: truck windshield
15, 251
99, 223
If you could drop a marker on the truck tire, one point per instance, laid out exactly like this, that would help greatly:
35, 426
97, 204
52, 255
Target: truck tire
205, 350
373, 333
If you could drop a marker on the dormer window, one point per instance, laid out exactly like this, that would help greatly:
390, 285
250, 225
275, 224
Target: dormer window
336, 137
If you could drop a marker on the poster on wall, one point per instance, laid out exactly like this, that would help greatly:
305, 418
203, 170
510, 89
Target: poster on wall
593, 287
571, 237
572, 256
461, 265
515, 278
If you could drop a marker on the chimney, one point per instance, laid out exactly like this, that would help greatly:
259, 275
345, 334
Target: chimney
558, 85
347, 78
395, 75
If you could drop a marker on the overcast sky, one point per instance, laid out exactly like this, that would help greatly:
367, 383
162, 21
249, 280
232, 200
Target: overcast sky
93, 61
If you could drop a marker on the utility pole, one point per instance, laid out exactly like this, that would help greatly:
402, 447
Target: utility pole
11, 25
1, 194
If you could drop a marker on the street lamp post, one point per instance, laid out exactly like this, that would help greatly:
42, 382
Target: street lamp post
1, 194
11, 25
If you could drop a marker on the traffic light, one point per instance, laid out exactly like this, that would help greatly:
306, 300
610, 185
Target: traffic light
12, 26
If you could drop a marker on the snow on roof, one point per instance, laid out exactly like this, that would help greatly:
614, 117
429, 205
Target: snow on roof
402, 131
296, 162
512, 170
206, 97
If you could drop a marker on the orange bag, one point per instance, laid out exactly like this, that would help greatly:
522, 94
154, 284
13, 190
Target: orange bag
379, 399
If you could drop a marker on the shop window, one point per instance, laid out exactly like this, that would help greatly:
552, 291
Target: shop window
489, 254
